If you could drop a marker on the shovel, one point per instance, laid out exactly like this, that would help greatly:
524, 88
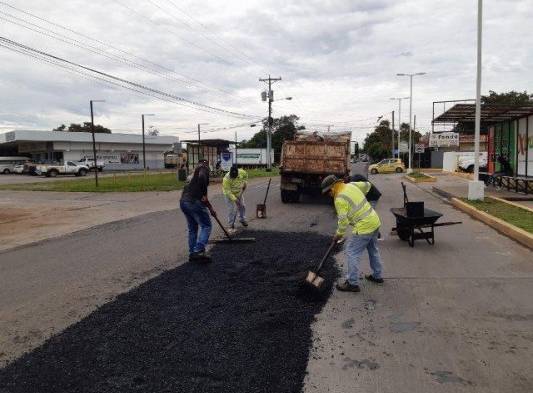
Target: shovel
313, 279
260, 210
231, 239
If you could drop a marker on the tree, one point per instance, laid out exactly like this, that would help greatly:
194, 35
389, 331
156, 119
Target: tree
152, 131
378, 144
86, 127
283, 128
510, 98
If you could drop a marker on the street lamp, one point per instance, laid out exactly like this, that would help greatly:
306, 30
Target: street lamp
399, 99
144, 149
94, 142
410, 110
475, 187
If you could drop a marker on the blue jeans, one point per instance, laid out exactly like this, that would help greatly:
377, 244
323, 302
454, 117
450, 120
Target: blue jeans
197, 215
355, 246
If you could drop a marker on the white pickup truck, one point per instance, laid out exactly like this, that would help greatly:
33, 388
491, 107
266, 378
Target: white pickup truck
89, 163
466, 163
68, 168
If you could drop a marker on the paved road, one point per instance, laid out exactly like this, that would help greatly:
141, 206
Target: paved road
454, 317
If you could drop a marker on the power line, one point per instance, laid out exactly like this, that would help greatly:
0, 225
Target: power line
154, 68
195, 104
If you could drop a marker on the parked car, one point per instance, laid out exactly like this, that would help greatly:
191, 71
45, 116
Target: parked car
89, 162
69, 167
18, 169
466, 163
388, 165
7, 164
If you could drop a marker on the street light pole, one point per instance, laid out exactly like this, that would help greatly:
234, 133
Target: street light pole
410, 111
475, 187
144, 146
399, 99
94, 142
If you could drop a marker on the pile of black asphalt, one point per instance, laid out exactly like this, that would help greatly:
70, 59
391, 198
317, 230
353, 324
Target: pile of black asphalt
239, 324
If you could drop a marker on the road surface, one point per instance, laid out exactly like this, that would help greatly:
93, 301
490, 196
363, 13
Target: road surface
456, 316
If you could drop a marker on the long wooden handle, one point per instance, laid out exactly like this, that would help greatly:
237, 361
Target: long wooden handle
325, 256
222, 226
266, 194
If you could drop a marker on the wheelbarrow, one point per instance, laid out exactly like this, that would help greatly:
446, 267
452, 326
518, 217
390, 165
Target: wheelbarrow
414, 221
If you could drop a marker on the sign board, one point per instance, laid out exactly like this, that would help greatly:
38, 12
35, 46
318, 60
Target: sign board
226, 160
419, 148
444, 139
404, 147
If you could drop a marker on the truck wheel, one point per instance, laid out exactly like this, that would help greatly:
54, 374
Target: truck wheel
52, 173
295, 196
399, 170
374, 171
285, 196
82, 172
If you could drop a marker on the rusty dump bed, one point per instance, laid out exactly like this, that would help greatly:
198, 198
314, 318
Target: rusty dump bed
315, 157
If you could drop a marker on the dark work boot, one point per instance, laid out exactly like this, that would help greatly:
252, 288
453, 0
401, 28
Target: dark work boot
370, 277
347, 287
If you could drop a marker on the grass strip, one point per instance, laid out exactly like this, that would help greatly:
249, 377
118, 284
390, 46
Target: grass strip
418, 175
513, 215
119, 183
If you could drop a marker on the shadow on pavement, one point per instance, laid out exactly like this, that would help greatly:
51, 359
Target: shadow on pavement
240, 324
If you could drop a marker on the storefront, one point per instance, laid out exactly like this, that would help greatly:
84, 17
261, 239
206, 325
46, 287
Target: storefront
117, 151
509, 138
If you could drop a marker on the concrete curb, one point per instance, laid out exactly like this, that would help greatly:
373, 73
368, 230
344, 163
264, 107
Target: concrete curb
464, 175
428, 179
510, 203
515, 233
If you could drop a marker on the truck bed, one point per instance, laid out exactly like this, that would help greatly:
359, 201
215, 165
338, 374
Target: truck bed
315, 157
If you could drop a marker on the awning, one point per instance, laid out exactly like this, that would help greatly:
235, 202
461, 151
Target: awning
490, 113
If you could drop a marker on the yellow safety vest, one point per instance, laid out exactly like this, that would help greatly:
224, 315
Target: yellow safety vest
353, 209
232, 187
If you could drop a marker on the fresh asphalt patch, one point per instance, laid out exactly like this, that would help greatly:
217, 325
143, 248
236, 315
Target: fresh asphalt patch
239, 324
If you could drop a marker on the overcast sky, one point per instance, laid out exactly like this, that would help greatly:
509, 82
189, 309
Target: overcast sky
338, 59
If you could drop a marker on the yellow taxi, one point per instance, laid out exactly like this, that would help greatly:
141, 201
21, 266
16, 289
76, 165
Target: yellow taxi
388, 165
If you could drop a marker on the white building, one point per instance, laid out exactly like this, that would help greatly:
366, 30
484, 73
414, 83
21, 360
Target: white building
118, 151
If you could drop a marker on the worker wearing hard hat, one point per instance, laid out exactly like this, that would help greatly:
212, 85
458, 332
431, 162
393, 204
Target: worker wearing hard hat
354, 210
233, 186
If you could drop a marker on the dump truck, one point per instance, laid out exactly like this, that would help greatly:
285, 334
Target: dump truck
308, 159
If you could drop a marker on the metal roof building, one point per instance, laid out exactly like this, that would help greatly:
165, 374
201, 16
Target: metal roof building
118, 151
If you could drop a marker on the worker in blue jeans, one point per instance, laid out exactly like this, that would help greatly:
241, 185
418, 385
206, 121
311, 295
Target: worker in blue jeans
196, 207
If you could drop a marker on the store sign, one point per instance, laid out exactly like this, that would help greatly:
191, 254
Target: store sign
226, 160
466, 139
444, 139
419, 148
249, 156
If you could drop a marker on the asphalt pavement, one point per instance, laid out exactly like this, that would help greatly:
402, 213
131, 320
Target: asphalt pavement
456, 316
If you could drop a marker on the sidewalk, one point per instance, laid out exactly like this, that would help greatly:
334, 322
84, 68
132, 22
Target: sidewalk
449, 185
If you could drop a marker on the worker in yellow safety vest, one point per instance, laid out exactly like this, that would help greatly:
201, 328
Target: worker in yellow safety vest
233, 186
354, 210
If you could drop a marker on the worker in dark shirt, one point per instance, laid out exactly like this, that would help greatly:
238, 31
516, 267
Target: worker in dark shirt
196, 207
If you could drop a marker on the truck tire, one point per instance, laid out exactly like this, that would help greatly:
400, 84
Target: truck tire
82, 172
285, 198
399, 170
52, 173
374, 171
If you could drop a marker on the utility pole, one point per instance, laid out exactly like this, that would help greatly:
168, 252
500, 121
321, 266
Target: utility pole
392, 148
144, 146
94, 142
399, 99
270, 97
199, 124
412, 151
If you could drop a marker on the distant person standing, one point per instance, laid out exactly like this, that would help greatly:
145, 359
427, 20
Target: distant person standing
196, 207
233, 186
